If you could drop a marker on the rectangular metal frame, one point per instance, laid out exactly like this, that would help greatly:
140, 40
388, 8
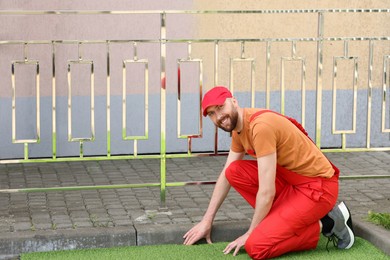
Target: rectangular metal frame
38, 113
253, 87
334, 92
146, 100
92, 106
200, 133
303, 85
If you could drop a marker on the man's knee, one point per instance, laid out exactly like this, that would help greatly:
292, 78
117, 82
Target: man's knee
232, 171
256, 249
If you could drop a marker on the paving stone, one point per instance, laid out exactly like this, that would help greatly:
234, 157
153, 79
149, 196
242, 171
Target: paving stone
82, 224
43, 226
104, 209
64, 225
79, 214
123, 222
120, 211
22, 226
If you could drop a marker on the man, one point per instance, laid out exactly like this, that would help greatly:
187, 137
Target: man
291, 185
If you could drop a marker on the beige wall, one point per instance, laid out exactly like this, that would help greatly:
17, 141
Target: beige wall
207, 26
295, 26
180, 26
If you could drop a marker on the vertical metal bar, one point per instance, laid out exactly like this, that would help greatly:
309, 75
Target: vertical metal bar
268, 75
38, 103
346, 48
163, 35
386, 64
79, 51
282, 87
253, 83
26, 151
355, 89
216, 57
25, 51
135, 152
135, 56
54, 107
200, 98
303, 95
343, 141
242, 50
146, 100
81, 149
334, 95
189, 145
108, 100
189, 50
13, 102
69, 104
178, 100
369, 94
124, 119
92, 111
320, 35
294, 49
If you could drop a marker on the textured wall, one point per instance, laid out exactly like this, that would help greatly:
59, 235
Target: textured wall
179, 26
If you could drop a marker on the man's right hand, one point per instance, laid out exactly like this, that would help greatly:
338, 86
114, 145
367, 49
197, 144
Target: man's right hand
199, 231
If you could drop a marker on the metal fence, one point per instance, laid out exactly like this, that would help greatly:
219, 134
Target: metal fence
162, 42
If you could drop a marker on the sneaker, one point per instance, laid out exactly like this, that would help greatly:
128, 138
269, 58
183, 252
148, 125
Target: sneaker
342, 228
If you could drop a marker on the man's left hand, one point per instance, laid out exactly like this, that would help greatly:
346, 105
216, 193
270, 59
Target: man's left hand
236, 244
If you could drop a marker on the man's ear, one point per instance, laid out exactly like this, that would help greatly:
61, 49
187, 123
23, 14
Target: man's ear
234, 101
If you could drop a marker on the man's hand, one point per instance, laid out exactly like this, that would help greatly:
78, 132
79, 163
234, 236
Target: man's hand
200, 230
236, 244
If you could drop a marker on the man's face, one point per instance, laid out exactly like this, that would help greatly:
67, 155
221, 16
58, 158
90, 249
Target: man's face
224, 116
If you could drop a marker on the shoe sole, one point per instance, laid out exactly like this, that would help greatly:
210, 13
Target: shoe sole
346, 214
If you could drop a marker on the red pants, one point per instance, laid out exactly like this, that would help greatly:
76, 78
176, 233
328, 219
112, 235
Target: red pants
292, 223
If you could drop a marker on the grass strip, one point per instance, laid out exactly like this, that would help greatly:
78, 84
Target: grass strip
382, 219
362, 249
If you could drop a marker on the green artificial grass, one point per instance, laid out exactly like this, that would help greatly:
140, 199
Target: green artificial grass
382, 219
362, 249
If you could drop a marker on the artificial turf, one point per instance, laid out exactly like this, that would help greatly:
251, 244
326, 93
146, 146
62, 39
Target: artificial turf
362, 249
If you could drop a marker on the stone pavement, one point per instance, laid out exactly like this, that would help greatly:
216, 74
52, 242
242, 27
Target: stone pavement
119, 217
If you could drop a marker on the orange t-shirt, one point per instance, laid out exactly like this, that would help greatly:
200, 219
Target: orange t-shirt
270, 132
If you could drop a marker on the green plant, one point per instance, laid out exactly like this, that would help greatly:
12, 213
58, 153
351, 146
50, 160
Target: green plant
94, 220
98, 223
33, 228
382, 219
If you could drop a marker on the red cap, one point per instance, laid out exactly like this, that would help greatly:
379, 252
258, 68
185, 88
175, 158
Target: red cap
215, 97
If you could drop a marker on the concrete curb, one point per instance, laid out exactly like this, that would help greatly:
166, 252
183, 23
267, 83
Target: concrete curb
173, 234
378, 236
12, 245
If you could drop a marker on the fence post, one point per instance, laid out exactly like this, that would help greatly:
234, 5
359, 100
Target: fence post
320, 42
163, 35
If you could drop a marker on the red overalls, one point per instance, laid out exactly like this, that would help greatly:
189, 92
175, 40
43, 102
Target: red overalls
299, 203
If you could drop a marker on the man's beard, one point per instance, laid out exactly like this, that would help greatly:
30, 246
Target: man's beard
233, 121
